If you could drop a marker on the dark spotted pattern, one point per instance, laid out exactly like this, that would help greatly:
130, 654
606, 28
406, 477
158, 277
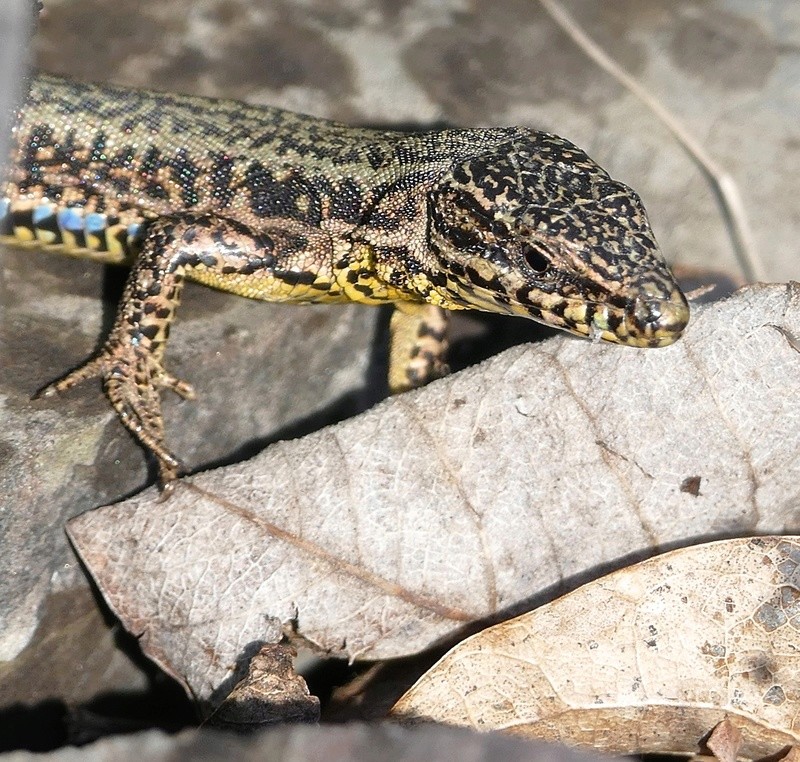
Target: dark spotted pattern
537, 228
278, 206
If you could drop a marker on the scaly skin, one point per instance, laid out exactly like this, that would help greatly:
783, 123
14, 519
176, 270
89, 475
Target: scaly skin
283, 207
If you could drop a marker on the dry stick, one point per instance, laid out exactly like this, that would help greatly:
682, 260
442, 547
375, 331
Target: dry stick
723, 184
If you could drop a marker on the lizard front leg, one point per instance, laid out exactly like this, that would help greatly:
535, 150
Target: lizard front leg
130, 363
418, 345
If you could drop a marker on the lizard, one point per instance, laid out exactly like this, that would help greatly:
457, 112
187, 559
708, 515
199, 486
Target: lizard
279, 206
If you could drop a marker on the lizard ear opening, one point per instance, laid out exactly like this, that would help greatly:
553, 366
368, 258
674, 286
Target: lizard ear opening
459, 219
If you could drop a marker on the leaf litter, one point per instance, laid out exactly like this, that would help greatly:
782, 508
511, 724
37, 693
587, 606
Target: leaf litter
467, 500
645, 660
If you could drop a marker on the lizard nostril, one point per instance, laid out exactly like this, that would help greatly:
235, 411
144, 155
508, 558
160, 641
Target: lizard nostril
663, 320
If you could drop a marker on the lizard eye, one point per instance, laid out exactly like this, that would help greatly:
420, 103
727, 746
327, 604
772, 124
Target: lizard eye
535, 257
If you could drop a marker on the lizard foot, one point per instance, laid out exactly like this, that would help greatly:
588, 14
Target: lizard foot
132, 378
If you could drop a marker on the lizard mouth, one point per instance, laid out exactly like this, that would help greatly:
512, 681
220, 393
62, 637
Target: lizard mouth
644, 321
655, 317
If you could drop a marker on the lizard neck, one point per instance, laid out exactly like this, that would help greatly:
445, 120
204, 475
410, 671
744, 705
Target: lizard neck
409, 277
394, 240
357, 277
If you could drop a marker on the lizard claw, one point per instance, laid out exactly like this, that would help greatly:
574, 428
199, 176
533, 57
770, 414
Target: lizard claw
90, 369
182, 388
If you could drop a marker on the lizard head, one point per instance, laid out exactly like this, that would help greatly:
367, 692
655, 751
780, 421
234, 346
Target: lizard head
534, 227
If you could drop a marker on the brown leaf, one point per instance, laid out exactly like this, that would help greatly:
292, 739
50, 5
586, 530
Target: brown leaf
382, 535
791, 755
643, 660
725, 741
271, 692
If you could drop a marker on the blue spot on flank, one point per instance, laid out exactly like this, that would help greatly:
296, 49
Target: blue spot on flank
70, 219
95, 222
133, 230
41, 213
6, 228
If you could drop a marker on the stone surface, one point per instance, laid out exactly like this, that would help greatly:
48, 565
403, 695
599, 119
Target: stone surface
727, 68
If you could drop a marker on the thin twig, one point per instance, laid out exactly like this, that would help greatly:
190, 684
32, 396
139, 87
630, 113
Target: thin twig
699, 292
724, 186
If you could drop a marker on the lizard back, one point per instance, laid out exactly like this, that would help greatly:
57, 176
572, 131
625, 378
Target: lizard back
90, 163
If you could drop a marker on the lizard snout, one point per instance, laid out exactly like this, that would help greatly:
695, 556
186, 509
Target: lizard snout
656, 322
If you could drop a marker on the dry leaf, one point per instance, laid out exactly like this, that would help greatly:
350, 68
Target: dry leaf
647, 659
725, 741
378, 537
271, 692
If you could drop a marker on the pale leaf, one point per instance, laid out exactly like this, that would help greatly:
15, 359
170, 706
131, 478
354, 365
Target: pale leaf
380, 536
647, 659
